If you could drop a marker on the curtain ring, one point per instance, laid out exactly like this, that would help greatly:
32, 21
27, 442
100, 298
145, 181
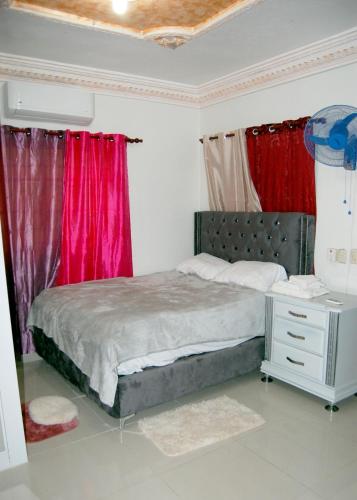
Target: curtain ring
271, 129
255, 131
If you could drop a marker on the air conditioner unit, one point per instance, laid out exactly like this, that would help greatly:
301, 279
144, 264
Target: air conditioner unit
48, 102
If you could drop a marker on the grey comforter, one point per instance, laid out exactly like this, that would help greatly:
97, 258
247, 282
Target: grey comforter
100, 324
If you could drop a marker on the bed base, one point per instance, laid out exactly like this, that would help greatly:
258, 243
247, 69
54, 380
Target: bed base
155, 386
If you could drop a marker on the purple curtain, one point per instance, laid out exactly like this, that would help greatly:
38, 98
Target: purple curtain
31, 164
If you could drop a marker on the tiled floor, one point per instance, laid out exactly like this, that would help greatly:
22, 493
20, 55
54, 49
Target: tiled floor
301, 453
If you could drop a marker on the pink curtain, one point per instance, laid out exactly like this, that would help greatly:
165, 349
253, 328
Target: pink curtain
96, 237
31, 166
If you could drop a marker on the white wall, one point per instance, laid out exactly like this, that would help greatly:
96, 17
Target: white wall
12, 439
335, 228
163, 174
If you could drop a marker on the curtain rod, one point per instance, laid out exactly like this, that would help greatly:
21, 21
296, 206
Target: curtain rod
60, 134
215, 137
270, 127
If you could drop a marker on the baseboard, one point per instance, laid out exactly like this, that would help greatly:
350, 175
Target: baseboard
31, 357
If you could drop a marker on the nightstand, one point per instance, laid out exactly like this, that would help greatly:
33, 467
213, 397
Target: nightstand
312, 344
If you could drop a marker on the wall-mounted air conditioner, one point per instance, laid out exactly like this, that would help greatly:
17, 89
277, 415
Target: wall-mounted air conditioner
52, 103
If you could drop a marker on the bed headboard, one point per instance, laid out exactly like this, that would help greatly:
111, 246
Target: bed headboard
286, 238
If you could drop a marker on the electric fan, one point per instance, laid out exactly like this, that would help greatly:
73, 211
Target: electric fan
331, 136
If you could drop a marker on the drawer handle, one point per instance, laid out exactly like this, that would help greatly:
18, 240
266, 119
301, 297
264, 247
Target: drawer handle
295, 362
299, 337
297, 315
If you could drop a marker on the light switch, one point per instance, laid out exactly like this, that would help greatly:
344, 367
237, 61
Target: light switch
341, 255
354, 256
331, 254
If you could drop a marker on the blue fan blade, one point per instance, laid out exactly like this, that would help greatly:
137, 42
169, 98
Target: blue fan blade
350, 156
346, 121
323, 141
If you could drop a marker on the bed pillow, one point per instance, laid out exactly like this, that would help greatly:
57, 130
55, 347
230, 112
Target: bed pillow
253, 274
203, 265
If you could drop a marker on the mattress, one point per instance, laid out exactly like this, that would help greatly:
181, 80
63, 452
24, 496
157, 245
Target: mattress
102, 324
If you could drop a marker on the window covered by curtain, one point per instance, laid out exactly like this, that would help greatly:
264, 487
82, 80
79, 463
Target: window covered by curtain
96, 238
31, 166
283, 172
230, 186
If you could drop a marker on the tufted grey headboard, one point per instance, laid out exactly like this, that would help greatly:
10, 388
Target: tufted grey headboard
286, 238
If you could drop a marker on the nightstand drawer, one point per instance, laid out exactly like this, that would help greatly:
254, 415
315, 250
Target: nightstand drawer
301, 362
300, 336
300, 314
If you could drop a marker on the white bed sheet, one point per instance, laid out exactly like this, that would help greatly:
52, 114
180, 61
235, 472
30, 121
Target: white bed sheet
167, 357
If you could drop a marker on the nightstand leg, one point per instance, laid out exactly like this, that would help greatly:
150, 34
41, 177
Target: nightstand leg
266, 379
331, 408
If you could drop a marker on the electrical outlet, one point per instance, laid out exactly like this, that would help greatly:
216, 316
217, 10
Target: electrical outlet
341, 255
353, 257
331, 254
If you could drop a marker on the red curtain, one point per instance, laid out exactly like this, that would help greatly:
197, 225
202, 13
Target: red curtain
96, 238
283, 172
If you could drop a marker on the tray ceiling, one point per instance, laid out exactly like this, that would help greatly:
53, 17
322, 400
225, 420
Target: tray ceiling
267, 30
169, 22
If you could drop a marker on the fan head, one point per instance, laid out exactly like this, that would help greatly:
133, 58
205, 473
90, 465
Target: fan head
330, 136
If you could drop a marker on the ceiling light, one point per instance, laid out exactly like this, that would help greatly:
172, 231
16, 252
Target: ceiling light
120, 6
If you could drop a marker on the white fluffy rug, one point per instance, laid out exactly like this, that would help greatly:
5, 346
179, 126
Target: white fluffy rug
193, 426
52, 410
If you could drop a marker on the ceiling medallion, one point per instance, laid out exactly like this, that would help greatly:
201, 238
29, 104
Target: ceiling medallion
170, 41
170, 23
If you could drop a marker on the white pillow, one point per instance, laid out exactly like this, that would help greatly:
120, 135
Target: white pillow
203, 265
253, 274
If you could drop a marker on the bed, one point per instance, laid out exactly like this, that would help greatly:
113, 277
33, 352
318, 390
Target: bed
284, 238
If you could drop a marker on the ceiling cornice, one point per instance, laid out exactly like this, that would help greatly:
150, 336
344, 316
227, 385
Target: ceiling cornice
332, 52
324, 55
97, 80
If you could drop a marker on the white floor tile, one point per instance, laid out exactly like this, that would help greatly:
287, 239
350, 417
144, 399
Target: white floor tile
309, 495
20, 492
220, 475
87, 469
154, 489
303, 455
39, 379
341, 484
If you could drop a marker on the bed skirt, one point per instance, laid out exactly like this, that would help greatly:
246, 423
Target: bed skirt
157, 385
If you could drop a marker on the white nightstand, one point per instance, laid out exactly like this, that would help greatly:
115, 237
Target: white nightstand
312, 344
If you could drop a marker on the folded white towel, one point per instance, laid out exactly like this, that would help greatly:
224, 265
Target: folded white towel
306, 282
288, 288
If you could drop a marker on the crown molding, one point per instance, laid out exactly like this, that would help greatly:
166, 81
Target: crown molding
97, 80
324, 55
327, 54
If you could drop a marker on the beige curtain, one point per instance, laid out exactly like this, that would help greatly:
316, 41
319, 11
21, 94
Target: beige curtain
230, 186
